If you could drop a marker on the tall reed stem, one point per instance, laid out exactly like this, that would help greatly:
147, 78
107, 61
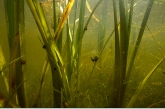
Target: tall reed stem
19, 5
138, 40
123, 48
115, 98
15, 24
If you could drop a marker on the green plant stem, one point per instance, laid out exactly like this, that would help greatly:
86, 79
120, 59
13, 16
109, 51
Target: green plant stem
69, 55
78, 38
130, 18
156, 103
136, 94
115, 98
13, 67
52, 57
59, 41
102, 29
135, 49
54, 15
74, 21
8, 101
102, 26
19, 27
10, 64
44, 70
106, 42
57, 81
9, 8
9, 12
86, 25
64, 16
56, 62
123, 49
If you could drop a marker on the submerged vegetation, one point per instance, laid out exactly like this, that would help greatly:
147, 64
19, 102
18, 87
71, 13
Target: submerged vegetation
99, 53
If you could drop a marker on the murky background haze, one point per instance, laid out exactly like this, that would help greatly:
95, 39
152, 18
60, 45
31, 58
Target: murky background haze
146, 60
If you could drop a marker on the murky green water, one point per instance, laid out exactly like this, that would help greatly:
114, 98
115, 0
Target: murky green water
101, 82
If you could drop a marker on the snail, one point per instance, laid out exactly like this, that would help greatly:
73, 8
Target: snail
65, 104
94, 58
23, 62
43, 46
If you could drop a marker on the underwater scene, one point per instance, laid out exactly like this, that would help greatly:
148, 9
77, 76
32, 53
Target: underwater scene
82, 53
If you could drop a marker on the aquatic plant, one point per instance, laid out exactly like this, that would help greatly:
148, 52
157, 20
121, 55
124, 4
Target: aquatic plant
15, 27
74, 81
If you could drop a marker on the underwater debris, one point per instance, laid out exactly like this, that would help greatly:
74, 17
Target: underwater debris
94, 58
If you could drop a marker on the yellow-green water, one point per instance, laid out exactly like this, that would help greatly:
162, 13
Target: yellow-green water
101, 82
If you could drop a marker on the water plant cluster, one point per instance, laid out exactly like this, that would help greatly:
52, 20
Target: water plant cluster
94, 54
